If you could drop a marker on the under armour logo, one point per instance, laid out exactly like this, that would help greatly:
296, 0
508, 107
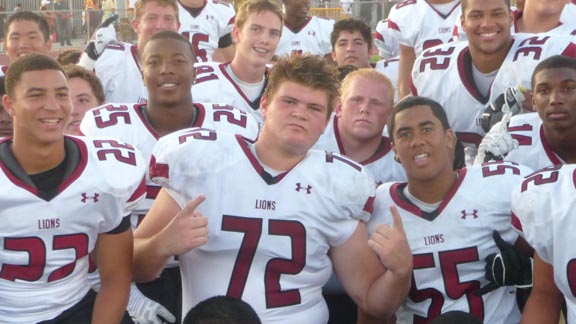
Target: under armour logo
307, 188
209, 17
465, 214
86, 197
312, 33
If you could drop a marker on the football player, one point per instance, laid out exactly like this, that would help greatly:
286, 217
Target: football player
168, 72
268, 220
303, 33
207, 24
240, 83
118, 65
419, 25
449, 217
63, 198
465, 77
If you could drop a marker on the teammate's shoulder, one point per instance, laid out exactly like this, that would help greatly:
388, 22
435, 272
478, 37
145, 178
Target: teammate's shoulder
501, 171
403, 9
531, 118
223, 117
109, 119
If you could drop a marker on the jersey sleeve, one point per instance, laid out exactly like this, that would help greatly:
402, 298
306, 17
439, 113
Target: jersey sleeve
226, 16
386, 41
400, 24
123, 171
106, 120
327, 27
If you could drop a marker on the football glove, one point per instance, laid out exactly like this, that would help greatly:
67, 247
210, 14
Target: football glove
497, 143
104, 35
507, 268
509, 101
144, 310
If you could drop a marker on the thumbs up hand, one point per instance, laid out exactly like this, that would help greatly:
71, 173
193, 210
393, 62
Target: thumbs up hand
187, 230
391, 245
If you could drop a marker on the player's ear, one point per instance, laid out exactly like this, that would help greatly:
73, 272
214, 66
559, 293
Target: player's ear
235, 33
451, 138
7, 103
338, 108
263, 105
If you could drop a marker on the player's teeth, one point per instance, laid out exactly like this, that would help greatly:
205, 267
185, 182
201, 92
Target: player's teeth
420, 157
50, 121
488, 34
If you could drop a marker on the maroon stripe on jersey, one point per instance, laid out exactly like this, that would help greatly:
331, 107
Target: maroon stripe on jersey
393, 25
152, 191
134, 51
158, 170
269, 179
549, 152
369, 205
81, 164
231, 21
379, 36
4, 69
200, 115
231, 80
139, 109
383, 149
409, 207
140, 191
337, 136
570, 50
464, 77
456, 5
516, 222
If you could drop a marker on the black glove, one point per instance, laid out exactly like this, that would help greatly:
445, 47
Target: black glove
511, 100
507, 268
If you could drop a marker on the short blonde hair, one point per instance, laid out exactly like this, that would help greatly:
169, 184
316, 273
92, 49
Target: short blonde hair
370, 75
139, 7
257, 6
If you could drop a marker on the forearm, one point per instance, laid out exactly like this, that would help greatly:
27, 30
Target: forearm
541, 309
387, 293
149, 258
407, 59
111, 301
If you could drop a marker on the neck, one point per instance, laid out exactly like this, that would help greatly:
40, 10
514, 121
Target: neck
192, 3
38, 158
359, 150
294, 22
434, 190
562, 142
246, 72
487, 63
533, 22
274, 156
166, 120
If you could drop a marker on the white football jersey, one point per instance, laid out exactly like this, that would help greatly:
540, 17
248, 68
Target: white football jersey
215, 84
214, 21
390, 68
268, 236
128, 123
444, 74
545, 204
120, 72
45, 245
381, 166
568, 14
419, 25
313, 38
386, 41
533, 148
450, 244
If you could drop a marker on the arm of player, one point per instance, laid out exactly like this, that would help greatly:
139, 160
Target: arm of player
104, 35
377, 282
545, 301
407, 59
166, 231
114, 255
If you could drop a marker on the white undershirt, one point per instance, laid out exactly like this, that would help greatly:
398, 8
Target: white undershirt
483, 80
251, 90
419, 203
444, 8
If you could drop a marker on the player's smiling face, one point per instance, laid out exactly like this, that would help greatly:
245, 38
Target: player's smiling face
297, 9
422, 145
40, 106
257, 39
555, 98
168, 70
487, 25
295, 116
25, 37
